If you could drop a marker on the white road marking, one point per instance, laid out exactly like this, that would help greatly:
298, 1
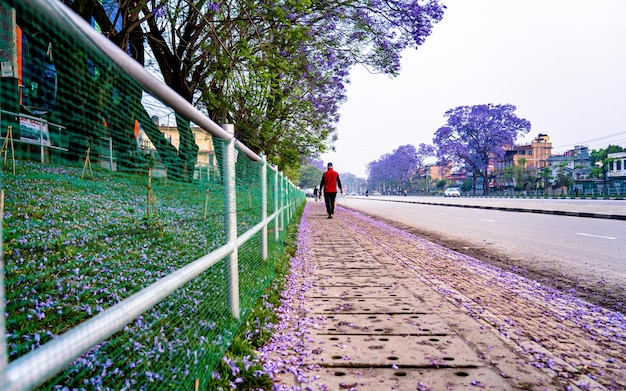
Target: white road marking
595, 236
488, 220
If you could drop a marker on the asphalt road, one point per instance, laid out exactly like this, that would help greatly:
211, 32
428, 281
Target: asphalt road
588, 254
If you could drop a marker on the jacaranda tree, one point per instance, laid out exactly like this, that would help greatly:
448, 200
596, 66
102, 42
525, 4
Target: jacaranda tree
278, 69
475, 135
394, 171
424, 151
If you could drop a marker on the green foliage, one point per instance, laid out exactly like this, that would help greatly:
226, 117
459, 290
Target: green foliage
562, 177
309, 176
441, 183
598, 155
545, 174
467, 185
597, 172
239, 373
600, 160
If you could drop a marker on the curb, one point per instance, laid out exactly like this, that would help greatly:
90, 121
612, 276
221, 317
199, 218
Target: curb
512, 209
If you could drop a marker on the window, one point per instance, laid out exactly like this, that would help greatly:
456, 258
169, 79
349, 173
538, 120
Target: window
618, 163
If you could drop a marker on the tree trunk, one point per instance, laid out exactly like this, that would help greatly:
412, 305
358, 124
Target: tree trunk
167, 152
187, 150
485, 177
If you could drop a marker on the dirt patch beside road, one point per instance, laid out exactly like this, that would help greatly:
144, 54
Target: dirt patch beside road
574, 282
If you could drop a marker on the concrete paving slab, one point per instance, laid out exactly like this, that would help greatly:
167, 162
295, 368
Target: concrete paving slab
378, 305
358, 291
382, 379
398, 275
351, 264
355, 253
371, 280
386, 351
346, 272
380, 324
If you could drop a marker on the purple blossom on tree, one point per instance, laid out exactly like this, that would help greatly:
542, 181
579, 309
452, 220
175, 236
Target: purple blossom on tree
475, 135
394, 171
424, 151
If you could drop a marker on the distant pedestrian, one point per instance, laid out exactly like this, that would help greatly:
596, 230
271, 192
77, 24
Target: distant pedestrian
329, 184
315, 193
367, 193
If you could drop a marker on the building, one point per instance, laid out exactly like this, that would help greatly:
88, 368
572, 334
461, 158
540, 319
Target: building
616, 173
432, 171
575, 163
535, 154
206, 165
572, 172
531, 157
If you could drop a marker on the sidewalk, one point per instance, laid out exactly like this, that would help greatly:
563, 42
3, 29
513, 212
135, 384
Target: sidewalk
371, 307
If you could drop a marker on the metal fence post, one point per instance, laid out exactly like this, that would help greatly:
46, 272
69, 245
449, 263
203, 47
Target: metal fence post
230, 217
282, 201
276, 211
290, 200
287, 200
264, 206
111, 153
4, 358
41, 151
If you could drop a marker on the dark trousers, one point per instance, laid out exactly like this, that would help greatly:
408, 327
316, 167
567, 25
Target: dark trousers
329, 198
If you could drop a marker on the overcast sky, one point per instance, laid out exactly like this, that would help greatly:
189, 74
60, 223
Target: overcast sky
562, 63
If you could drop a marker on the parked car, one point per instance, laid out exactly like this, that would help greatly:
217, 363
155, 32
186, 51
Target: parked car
452, 192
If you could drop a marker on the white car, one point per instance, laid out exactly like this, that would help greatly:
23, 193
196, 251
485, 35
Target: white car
452, 192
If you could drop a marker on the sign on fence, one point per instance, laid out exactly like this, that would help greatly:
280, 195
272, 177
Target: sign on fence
32, 131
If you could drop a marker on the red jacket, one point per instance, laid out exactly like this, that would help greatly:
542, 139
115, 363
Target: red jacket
330, 181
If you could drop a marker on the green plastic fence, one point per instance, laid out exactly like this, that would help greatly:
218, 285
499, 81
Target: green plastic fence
101, 198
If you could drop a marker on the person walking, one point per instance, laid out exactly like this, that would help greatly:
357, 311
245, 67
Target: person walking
315, 193
329, 184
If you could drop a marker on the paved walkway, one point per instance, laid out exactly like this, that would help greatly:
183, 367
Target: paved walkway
375, 308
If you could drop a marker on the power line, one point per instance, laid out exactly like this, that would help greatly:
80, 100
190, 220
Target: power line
590, 141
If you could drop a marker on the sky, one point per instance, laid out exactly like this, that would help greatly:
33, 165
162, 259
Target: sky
562, 63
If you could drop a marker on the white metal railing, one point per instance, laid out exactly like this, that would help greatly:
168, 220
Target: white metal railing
35, 367
32, 369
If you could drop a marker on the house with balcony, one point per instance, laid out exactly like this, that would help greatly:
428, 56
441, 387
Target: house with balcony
574, 167
616, 173
576, 163
532, 157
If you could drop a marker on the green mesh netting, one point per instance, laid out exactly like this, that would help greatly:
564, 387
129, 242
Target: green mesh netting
107, 190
